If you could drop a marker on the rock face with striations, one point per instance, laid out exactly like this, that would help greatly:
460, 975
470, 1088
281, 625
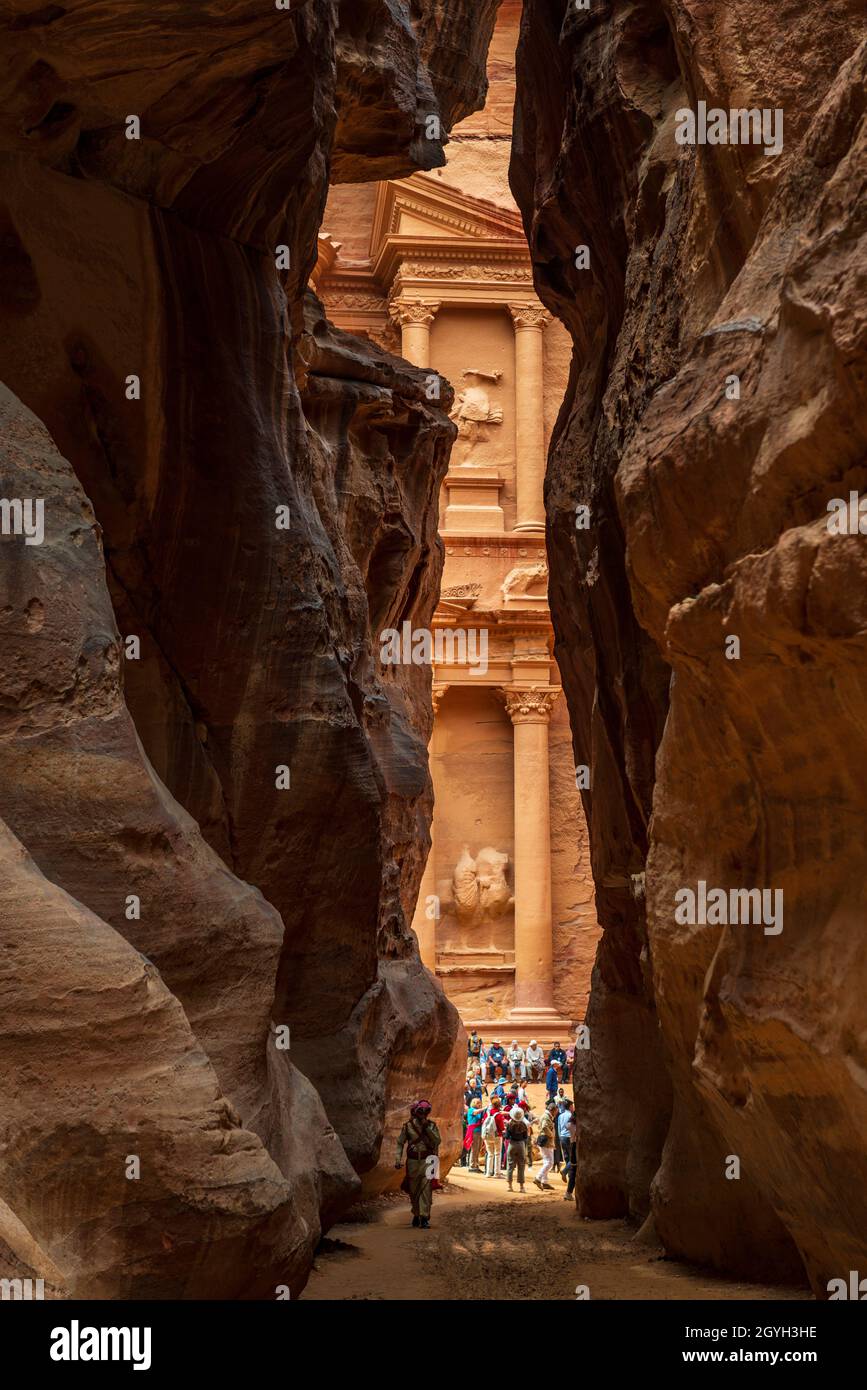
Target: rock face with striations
216, 834
716, 408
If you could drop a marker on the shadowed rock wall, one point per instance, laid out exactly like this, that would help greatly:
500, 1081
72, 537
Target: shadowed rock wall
154, 777
709, 518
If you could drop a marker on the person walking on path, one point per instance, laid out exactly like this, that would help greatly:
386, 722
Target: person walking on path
517, 1137
493, 1129
572, 1169
545, 1141
563, 1137
421, 1139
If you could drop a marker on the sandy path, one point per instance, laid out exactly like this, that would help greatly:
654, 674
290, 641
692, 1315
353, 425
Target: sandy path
488, 1243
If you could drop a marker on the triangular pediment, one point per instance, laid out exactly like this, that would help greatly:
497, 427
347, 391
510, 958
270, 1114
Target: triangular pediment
420, 207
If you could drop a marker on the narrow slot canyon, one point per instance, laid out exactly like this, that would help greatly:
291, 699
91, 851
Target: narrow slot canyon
433, 596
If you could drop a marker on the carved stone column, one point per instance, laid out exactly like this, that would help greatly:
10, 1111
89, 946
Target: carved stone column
529, 321
529, 711
415, 318
424, 926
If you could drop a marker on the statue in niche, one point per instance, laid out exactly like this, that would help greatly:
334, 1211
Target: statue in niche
473, 411
479, 886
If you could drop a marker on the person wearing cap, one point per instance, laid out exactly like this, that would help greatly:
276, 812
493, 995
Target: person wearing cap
421, 1139
499, 1089
535, 1060
517, 1137
496, 1058
516, 1060
552, 1080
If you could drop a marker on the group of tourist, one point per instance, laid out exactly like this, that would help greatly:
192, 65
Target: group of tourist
529, 1063
499, 1118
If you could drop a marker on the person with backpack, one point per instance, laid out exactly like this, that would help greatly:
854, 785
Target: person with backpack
545, 1141
493, 1129
517, 1138
421, 1139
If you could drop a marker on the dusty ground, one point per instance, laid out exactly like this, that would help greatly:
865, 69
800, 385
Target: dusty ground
488, 1243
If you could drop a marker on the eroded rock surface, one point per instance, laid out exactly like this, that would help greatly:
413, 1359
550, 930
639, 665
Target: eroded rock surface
709, 519
148, 327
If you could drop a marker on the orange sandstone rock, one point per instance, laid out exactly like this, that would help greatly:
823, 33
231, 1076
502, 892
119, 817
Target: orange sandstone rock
715, 410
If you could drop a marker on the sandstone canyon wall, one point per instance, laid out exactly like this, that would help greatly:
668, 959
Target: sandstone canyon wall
167, 907
709, 519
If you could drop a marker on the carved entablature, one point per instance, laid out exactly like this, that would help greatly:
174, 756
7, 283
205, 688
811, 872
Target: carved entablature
463, 270
353, 299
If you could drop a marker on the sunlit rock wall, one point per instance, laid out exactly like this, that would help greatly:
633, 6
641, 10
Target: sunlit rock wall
163, 182
709, 519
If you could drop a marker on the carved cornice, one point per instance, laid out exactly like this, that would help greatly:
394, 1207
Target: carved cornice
531, 706
529, 315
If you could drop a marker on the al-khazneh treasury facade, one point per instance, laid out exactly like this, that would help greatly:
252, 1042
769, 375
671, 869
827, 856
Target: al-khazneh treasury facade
435, 267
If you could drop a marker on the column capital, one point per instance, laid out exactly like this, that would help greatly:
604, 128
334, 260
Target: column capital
406, 311
529, 316
530, 705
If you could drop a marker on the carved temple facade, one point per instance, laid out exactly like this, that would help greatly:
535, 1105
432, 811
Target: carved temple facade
436, 268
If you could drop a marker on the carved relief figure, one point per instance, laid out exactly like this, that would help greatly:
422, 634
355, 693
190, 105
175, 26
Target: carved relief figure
473, 410
480, 890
